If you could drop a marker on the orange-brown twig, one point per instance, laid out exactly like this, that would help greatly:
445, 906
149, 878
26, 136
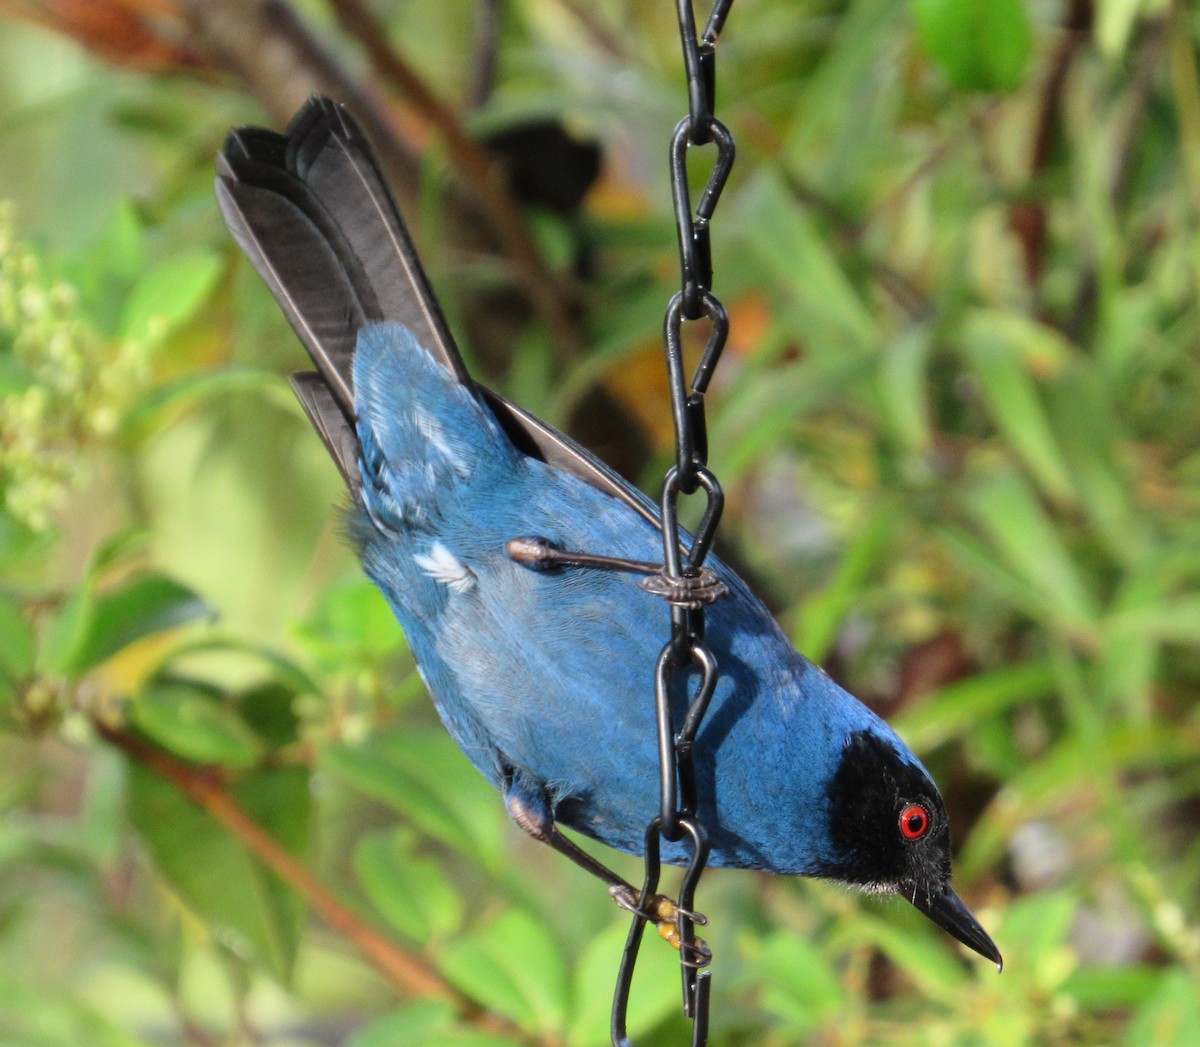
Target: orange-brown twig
478, 169
206, 789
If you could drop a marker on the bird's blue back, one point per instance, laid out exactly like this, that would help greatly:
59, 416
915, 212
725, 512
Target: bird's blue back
545, 678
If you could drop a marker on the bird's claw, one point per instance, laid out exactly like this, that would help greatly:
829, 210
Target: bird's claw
692, 953
665, 913
658, 908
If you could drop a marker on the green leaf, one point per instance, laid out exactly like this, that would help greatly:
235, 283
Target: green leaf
1114, 23
196, 391
20, 543
245, 904
16, 641
797, 981
169, 294
1029, 542
979, 45
1083, 413
1002, 351
418, 1023
15, 377
125, 544
217, 653
910, 941
33, 1017
955, 709
1141, 618
1171, 1018
515, 968
1037, 927
1112, 988
352, 624
762, 412
270, 711
90, 629
1169, 620
150, 604
824, 612
411, 891
654, 999
901, 388
795, 253
119, 250
193, 723
68, 631
423, 775
108, 268
467, 1037
1069, 769
979, 560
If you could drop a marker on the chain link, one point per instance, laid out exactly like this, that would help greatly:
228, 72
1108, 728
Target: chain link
686, 653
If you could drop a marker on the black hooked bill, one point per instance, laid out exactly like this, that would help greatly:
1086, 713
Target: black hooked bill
950, 913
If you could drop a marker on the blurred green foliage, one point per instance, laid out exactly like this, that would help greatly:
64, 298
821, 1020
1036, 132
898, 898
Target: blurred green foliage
959, 423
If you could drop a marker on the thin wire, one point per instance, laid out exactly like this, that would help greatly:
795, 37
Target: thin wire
685, 652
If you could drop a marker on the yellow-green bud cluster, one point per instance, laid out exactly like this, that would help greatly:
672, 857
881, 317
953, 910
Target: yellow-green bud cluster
62, 386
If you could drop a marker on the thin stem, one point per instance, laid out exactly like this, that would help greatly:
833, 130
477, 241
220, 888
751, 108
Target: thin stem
487, 44
1028, 217
1185, 84
408, 973
484, 176
603, 37
281, 62
849, 231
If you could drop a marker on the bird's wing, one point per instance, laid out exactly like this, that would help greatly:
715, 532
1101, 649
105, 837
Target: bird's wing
315, 217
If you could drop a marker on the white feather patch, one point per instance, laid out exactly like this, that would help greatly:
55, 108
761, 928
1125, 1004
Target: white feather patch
442, 566
429, 428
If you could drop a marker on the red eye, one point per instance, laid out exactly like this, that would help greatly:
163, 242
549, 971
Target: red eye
914, 821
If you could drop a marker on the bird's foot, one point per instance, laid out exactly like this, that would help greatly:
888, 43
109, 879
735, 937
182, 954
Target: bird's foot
664, 913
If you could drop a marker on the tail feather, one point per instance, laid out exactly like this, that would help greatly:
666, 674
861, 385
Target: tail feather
311, 288
333, 157
331, 423
314, 215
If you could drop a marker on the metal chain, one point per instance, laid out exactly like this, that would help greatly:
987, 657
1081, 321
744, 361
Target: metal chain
685, 652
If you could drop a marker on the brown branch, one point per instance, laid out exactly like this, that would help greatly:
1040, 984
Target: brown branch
406, 972
546, 292
135, 34
281, 62
1185, 85
1028, 217
1147, 64
602, 36
486, 46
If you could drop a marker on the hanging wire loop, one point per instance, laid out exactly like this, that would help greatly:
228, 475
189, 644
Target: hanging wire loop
706, 532
677, 792
699, 61
695, 252
685, 675
687, 408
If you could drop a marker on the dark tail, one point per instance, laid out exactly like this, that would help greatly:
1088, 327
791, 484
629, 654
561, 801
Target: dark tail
312, 212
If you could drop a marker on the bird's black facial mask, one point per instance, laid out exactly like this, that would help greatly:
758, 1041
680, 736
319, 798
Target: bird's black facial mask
890, 834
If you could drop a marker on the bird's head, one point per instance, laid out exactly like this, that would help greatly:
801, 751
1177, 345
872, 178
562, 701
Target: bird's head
889, 833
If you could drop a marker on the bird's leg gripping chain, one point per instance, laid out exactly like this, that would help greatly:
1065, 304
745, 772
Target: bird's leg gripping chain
658, 909
665, 913
689, 591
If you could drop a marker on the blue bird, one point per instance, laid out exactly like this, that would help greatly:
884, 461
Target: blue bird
544, 677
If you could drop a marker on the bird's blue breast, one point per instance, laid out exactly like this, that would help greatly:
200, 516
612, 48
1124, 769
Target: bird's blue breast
545, 678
